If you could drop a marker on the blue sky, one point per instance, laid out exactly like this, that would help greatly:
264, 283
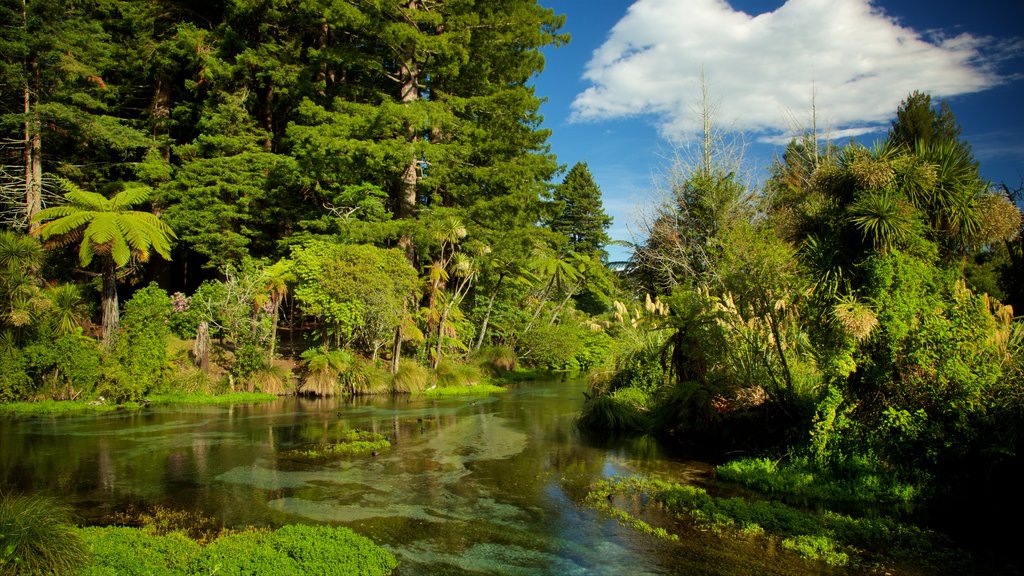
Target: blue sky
621, 95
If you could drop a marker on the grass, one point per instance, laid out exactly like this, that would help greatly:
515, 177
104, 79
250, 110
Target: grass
53, 407
228, 398
37, 537
471, 390
828, 537
56, 407
857, 481
353, 443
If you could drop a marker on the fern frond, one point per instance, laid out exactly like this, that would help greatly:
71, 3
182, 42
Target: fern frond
64, 225
130, 197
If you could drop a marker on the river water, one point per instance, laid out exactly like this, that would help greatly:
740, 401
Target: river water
483, 485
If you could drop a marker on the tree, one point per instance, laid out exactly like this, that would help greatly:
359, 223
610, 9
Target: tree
917, 123
108, 228
581, 215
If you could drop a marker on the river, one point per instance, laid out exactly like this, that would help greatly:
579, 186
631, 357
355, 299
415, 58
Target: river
482, 485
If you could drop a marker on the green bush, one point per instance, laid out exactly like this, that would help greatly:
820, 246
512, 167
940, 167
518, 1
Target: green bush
138, 361
295, 549
122, 551
67, 367
36, 537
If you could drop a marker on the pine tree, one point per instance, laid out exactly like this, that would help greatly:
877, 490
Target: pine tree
582, 218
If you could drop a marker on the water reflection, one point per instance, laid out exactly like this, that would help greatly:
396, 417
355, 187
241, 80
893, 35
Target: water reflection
479, 486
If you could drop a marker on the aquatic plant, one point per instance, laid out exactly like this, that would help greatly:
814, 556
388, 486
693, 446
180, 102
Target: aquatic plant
352, 443
37, 537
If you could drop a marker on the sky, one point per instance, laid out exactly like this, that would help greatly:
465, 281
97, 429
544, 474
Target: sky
624, 95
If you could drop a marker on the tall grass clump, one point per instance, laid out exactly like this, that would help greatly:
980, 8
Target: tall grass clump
496, 360
450, 374
271, 379
37, 537
411, 377
367, 376
625, 409
323, 371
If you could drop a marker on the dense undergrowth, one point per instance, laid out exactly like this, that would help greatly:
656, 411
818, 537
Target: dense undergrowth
37, 537
829, 537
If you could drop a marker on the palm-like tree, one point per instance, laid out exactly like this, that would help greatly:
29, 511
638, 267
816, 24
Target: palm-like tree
107, 228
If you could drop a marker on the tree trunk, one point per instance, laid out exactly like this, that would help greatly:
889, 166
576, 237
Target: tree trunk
201, 348
161, 113
396, 350
111, 315
487, 314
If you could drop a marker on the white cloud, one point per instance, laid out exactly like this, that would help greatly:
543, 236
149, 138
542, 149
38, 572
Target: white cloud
762, 70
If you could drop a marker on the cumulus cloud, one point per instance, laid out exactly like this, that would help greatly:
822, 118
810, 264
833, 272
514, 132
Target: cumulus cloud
762, 70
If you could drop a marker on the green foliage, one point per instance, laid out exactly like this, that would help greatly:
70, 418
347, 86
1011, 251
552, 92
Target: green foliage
140, 349
579, 213
411, 377
624, 410
131, 551
352, 443
450, 374
468, 390
295, 549
823, 536
36, 537
323, 371
856, 479
357, 292
495, 360
65, 368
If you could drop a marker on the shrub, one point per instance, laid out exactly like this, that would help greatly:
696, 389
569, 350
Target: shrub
120, 551
36, 537
295, 549
64, 368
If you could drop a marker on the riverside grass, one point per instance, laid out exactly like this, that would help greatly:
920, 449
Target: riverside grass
36, 537
56, 407
832, 538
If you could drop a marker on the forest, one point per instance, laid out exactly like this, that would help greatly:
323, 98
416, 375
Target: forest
339, 199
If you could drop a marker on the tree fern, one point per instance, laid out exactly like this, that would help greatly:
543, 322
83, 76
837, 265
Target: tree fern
107, 228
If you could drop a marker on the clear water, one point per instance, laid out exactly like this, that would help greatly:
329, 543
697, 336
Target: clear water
490, 485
